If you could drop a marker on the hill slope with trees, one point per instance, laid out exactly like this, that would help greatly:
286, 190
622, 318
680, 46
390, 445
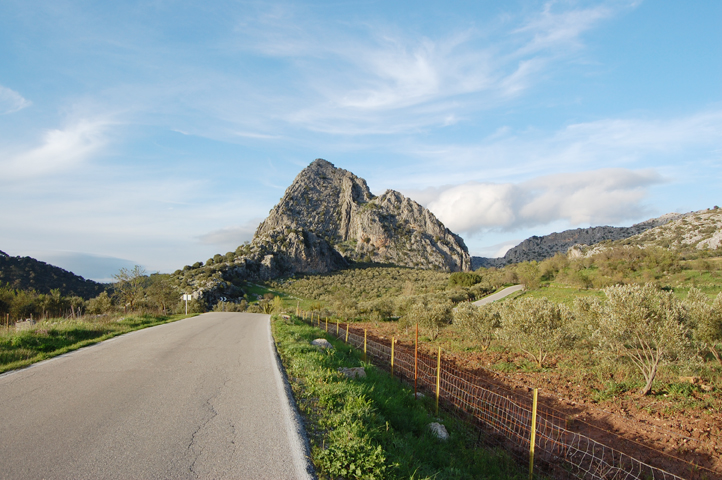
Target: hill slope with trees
26, 273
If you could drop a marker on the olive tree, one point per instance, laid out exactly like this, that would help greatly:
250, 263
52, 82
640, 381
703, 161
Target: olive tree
705, 321
430, 316
536, 326
480, 323
643, 324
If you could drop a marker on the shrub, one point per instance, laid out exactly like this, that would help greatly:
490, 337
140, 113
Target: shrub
537, 327
480, 323
430, 316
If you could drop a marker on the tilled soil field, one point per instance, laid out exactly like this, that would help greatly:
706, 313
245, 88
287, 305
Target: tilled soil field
666, 429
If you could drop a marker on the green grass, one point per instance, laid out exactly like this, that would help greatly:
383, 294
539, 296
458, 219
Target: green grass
373, 428
563, 294
54, 337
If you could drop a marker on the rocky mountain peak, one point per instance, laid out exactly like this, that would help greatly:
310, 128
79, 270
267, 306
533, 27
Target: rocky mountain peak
338, 207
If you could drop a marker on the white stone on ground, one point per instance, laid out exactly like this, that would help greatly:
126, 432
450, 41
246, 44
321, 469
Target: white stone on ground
439, 430
322, 342
353, 372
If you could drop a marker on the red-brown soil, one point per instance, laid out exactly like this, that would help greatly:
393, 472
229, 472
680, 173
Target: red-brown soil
683, 430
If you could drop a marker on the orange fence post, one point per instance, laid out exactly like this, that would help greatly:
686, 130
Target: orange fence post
533, 434
438, 380
416, 358
392, 355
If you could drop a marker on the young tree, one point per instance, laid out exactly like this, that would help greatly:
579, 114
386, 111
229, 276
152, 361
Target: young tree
129, 285
643, 324
161, 292
529, 274
480, 323
277, 306
537, 327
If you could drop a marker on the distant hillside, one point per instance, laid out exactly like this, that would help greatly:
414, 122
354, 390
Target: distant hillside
28, 273
691, 232
539, 248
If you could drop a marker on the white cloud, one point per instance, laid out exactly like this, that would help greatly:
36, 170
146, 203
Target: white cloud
550, 29
355, 78
598, 197
59, 150
11, 101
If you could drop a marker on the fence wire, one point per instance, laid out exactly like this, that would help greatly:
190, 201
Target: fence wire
506, 416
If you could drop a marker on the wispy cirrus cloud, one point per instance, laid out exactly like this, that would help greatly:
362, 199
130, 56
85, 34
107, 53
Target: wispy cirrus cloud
558, 28
375, 79
11, 101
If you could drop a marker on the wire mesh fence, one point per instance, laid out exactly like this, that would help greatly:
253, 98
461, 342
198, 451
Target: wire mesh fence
505, 416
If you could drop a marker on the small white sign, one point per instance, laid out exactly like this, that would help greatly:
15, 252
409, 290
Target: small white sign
187, 296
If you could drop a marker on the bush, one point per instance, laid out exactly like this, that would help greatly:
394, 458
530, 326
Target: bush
432, 317
480, 323
643, 324
537, 327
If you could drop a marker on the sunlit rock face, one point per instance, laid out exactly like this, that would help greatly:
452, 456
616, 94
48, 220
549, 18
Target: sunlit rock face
337, 208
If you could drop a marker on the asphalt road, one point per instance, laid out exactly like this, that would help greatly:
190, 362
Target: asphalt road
199, 398
499, 295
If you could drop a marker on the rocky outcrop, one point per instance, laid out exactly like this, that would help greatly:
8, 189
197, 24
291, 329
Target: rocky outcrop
338, 207
326, 219
539, 248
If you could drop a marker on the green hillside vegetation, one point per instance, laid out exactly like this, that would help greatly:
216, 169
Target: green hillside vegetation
565, 318
26, 273
55, 336
135, 291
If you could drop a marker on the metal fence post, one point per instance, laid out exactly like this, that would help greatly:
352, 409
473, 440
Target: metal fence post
393, 341
416, 359
533, 435
438, 380
365, 331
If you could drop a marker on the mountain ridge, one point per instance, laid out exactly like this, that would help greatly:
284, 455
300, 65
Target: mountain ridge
539, 248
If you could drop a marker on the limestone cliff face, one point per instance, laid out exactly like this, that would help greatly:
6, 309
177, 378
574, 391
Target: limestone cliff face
338, 208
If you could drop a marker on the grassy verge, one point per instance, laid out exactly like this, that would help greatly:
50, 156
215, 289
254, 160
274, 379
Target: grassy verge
372, 427
54, 337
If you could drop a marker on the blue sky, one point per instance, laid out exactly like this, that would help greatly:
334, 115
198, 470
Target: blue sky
161, 132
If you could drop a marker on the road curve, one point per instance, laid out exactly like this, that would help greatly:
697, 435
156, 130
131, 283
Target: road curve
499, 295
199, 398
